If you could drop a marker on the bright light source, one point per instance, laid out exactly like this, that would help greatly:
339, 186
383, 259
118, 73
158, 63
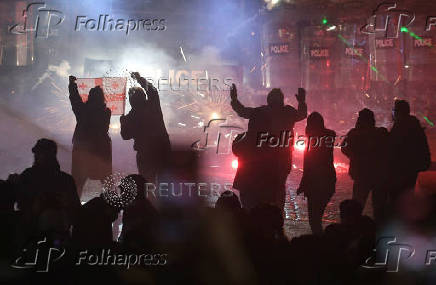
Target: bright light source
274, 2
214, 116
406, 66
331, 28
235, 164
300, 146
115, 126
324, 21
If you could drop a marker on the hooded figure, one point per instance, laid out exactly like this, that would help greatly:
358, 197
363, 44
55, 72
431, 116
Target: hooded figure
145, 125
263, 165
92, 148
319, 177
366, 147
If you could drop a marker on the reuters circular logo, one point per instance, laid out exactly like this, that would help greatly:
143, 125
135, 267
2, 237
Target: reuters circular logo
119, 190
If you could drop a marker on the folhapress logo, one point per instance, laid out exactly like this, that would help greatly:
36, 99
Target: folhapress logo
388, 19
38, 256
39, 19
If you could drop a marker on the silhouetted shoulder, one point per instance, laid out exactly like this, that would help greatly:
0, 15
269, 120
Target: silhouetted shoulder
290, 109
351, 132
67, 177
414, 120
382, 131
330, 133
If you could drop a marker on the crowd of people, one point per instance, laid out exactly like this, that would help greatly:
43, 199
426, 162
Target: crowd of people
241, 240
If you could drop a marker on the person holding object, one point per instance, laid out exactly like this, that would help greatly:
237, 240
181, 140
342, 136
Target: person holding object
92, 146
264, 167
145, 125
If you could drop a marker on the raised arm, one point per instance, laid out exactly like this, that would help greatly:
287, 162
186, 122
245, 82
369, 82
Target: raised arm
152, 93
302, 107
241, 110
75, 99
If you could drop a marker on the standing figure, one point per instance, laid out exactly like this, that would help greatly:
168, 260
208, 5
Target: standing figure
46, 196
264, 153
92, 147
409, 151
319, 176
366, 147
145, 125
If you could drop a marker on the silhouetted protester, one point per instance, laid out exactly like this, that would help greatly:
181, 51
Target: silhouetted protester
409, 152
140, 219
145, 125
319, 175
228, 201
93, 229
348, 243
366, 147
9, 219
92, 148
264, 153
268, 247
46, 196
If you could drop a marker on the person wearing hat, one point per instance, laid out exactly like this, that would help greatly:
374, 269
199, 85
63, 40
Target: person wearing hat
366, 147
46, 196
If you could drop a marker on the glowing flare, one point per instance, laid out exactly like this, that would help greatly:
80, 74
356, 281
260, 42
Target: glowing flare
235, 164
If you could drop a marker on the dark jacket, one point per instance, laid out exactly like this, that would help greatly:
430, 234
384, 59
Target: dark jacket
91, 141
42, 189
366, 147
264, 162
318, 168
409, 152
145, 125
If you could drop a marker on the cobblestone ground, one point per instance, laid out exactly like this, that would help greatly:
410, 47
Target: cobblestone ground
296, 222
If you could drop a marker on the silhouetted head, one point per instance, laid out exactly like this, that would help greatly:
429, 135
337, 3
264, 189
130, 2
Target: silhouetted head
315, 123
268, 220
366, 119
137, 97
401, 109
350, 211
96, 97
275, 98
45, 151
228, 201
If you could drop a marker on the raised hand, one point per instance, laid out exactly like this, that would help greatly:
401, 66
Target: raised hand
72, 79
135, 75
301, 96
233, 92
